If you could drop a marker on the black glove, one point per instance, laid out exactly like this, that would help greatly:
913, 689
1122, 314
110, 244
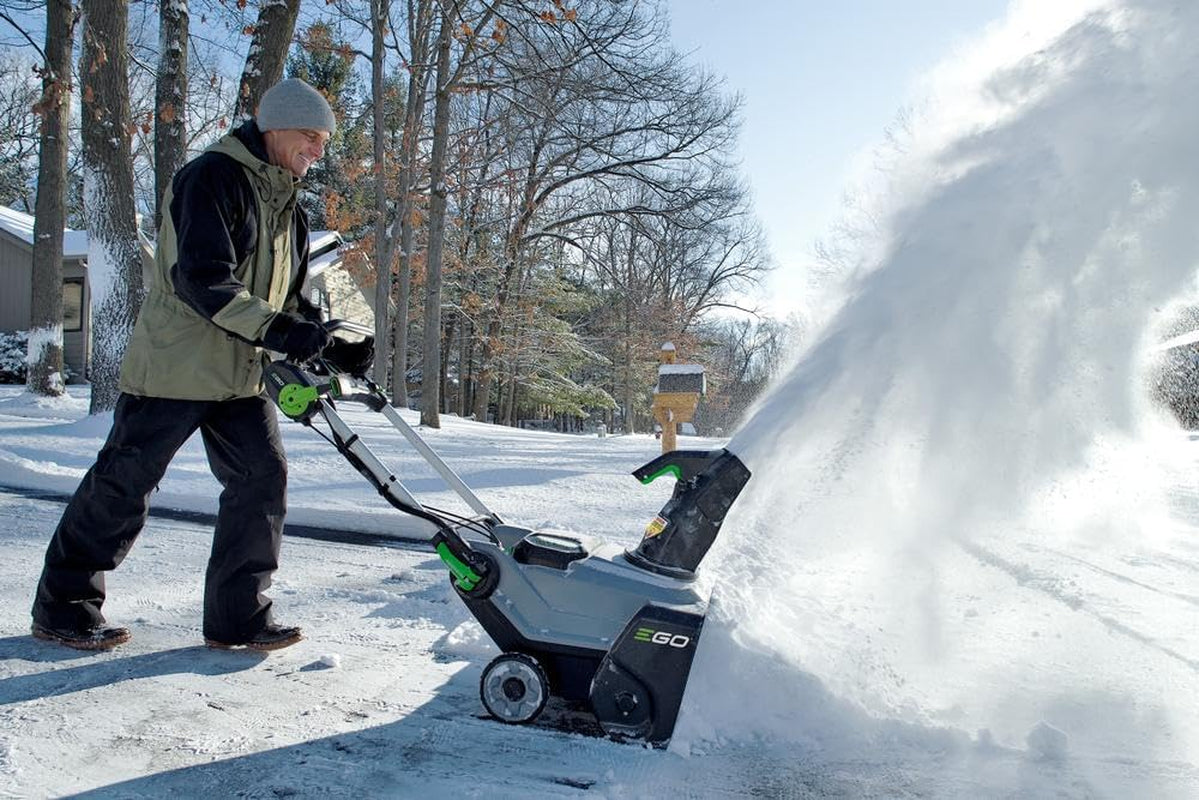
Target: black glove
298, 338
352, 358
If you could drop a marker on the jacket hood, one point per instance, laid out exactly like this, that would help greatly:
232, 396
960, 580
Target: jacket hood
248, 134
247, 146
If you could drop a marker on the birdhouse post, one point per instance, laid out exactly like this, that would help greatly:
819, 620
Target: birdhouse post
677, 395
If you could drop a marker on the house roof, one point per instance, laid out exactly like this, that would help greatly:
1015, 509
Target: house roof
680, 369
20, 225
319, 242
323, 250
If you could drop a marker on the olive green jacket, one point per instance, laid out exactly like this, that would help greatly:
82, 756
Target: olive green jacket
178, 352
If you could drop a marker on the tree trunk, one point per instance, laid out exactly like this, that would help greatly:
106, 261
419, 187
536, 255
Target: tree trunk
45, 374
113, 254
513, 386
267, 55
430, 400
491, 339
419, 25
466, 333
380, 10
444, 369
494, 329
170, 99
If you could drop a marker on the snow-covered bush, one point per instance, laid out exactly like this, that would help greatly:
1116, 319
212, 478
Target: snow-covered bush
14, 348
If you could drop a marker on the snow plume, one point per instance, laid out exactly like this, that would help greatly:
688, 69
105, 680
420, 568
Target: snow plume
976, 397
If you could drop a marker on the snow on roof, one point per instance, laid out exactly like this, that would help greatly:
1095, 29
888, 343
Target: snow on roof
320, 242
322, 262
680, 369
20, 225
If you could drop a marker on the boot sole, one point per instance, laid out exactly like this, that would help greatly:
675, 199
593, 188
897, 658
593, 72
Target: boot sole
257, 646
93, 645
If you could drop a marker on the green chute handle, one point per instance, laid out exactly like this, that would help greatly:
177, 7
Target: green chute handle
682, 464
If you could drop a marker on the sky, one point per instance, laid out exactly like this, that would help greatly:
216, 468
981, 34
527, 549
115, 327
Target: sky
821, 81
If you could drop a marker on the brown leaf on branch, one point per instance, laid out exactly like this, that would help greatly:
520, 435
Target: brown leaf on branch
570, 14
89, 95
167, 113
549, 17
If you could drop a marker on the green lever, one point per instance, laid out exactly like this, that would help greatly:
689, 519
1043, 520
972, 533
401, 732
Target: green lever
465, 577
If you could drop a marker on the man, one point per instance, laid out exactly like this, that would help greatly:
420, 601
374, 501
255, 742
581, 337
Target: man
231, 259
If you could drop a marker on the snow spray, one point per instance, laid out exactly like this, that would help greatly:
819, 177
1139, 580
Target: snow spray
980, 379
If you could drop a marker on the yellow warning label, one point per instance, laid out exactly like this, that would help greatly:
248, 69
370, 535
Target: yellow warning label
655, 526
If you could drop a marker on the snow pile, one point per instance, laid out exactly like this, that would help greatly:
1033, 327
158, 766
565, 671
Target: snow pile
975, 401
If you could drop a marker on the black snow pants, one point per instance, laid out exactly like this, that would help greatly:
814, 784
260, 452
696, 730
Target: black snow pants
109, 509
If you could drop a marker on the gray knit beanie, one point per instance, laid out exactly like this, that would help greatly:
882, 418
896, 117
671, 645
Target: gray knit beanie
293, 104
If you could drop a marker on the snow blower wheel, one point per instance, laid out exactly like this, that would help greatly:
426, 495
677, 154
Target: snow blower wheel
514, 688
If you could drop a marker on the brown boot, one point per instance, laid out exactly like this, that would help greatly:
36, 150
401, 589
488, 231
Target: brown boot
272, 637
97, 637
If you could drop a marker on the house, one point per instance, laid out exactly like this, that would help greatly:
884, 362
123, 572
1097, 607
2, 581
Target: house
16, 283
329, 284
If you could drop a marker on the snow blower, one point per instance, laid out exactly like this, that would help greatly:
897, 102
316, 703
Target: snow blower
593, 623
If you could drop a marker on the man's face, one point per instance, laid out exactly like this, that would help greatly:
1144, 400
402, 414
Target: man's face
295, 150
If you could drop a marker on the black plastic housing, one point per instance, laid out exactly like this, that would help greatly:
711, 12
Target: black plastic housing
708, 484
638, 688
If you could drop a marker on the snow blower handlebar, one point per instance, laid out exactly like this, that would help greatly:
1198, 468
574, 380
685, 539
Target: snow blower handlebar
301, 396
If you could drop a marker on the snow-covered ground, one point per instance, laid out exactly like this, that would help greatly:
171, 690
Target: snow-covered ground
967, 564
1063, 671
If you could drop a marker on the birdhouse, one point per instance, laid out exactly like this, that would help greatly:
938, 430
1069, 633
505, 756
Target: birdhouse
677, 394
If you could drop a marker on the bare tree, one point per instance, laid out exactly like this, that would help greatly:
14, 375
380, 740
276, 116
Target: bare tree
380, 14
430, 399
596, 102
170, 95
114, 257
45, 327
267, 55
20, 128
420, 24
448, 81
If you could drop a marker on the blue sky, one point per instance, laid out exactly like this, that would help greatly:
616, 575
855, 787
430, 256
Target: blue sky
821, 82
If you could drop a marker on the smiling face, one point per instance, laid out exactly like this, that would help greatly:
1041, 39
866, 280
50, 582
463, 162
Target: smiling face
295, 150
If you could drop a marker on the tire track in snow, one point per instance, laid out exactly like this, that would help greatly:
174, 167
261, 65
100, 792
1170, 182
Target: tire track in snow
1186, 598
1050, 585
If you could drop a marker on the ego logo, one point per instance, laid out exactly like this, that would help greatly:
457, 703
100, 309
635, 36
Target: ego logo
661, 637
